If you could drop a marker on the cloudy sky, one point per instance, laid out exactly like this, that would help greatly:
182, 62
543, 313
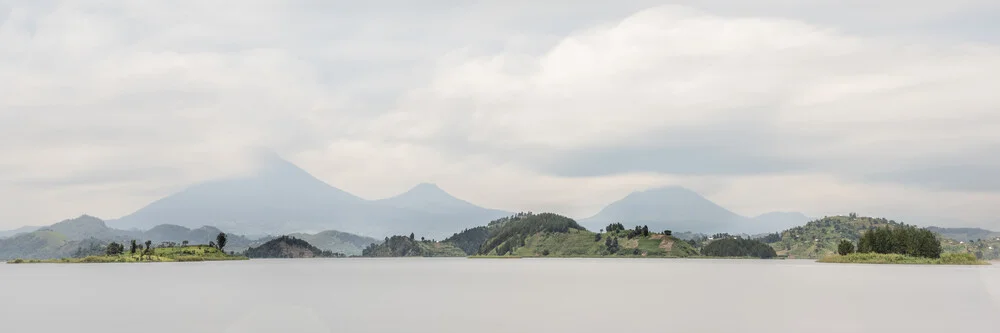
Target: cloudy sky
887, 108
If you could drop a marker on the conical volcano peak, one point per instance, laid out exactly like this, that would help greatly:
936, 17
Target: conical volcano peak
426, 188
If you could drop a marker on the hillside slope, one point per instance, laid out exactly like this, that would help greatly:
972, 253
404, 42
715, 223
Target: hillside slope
289, 247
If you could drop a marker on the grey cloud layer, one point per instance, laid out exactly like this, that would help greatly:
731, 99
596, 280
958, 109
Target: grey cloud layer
575, 91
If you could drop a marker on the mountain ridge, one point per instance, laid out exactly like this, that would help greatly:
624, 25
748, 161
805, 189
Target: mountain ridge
281, 198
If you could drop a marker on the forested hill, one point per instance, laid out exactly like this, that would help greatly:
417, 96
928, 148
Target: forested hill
820, 237
547, 234
289, 247
403, 246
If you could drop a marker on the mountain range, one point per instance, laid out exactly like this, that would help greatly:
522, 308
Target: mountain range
280, 198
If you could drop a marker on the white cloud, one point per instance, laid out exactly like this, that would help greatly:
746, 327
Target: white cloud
104, 107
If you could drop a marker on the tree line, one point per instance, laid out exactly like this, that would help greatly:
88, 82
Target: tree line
905, 240
738, 247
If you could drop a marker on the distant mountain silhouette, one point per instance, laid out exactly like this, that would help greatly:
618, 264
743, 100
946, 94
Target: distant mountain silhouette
21, 230
281, 198
453, 214
682, 210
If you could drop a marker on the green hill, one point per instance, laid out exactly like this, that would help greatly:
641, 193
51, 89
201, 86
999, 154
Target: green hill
546, 234
289, 247
403, 246
820, 237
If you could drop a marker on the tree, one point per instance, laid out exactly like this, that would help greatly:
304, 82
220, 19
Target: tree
220, 241
668, 233
148, 244
845, 247
133, 247
114, 249
411, 236
597, 237
184, 243
645, 230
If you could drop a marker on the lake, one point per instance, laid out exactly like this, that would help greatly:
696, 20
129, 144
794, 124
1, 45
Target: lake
483, 295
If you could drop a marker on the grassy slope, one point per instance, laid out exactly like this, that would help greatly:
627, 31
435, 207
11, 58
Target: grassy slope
186, 253
876, 258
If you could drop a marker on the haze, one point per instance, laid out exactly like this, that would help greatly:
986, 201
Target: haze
821, 108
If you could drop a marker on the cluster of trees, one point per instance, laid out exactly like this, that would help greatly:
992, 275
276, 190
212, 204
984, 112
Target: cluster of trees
470, 240
611, 244
845, 247
395, 246
615, 227
906, 240
114, 249
770, 238
738, 247
638, 231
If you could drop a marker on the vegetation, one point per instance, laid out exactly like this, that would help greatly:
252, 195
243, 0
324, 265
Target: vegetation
162, 254
895, 258
404, 246
823, 236
738, 247
513, 233
288, 247
220, 241
903, 239
845, 247
985, 249
114, 249
469, 240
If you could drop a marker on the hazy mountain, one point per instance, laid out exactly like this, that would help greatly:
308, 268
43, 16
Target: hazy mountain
84, 227
673, 208
777, 221
281, 198
21, 230
46, 244
682, 210
452, 214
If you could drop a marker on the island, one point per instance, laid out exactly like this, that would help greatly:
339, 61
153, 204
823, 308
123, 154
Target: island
146, 252
289, 247
898, 244
538, 235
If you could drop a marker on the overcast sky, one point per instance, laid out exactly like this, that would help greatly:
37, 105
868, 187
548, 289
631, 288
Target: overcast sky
887, 108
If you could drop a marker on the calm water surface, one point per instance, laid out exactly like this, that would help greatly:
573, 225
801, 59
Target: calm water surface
526, 295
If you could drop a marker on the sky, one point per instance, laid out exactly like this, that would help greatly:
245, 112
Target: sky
884, 108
